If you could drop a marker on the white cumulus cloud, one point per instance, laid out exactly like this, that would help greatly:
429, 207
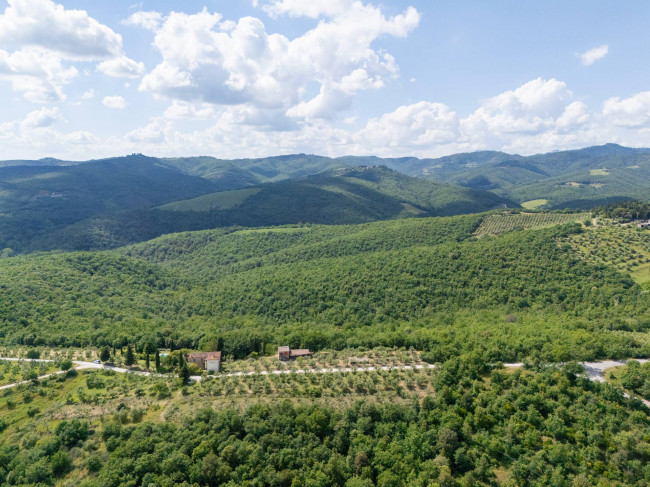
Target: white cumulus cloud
590, 56
422, 124
629, 112
117, 102
41, 39
42, 118
71, 33
178, 110
149, 20
152, 133
121, 67
36, 74
207, 59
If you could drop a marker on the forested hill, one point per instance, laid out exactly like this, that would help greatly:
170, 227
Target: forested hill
425, 283
565, 179
342, 196
346, 195
36, 200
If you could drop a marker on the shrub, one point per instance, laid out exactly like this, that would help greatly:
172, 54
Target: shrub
33, 354
72, 432
65, 364
94, 463
61, 463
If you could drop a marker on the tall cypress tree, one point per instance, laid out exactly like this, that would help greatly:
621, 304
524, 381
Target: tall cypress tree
130, 358
184, 374
105, 354
146, 359
157, 360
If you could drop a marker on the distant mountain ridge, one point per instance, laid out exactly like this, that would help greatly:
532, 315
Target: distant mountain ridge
51, 203
579, 178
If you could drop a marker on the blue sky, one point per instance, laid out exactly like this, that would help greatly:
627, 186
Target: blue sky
84, 79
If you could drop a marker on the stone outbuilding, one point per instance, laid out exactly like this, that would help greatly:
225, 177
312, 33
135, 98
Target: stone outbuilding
286, 353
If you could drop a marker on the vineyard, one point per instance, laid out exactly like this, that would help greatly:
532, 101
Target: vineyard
506, 222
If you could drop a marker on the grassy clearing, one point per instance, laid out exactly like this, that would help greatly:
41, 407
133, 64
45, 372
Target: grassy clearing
624, 246
412, 209
223, 200
495, 224
532, 204
599, 172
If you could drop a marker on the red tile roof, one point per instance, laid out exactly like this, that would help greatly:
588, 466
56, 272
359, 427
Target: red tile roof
300, 352
205, 355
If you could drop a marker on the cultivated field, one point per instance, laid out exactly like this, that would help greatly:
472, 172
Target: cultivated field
506, 222
624, 246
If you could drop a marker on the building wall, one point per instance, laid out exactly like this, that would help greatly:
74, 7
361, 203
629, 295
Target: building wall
213, 365
198, 361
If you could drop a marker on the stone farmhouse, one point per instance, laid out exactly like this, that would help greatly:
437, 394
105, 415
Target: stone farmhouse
210, 361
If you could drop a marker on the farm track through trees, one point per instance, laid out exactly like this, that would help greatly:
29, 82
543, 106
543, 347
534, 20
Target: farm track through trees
594, 370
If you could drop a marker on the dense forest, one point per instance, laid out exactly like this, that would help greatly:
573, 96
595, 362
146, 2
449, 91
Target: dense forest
424, 283
624, 211
112, 203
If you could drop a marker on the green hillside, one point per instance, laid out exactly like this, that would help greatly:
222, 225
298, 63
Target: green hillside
222, 200
38, 200
566, 179
342, 196
347, 195
424, 283
51, 204
392, 294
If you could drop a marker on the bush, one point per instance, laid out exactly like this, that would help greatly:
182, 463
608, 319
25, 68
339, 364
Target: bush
93, 381
72, 432
65, 364
94, 463
161, 390
137, 415
33, 354
61, 463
